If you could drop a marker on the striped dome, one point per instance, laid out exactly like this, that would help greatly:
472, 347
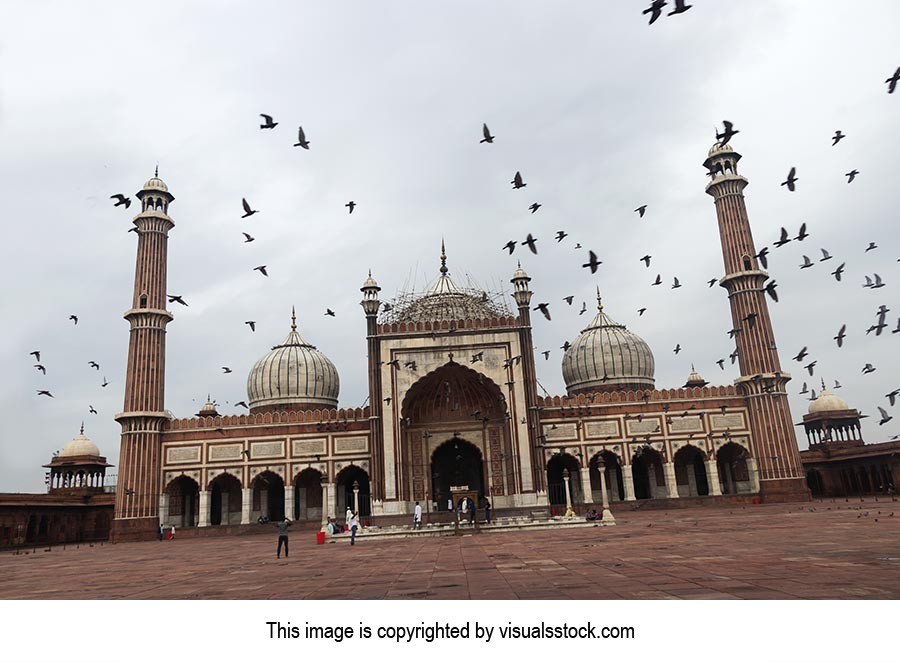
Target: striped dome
294, 375
607, 357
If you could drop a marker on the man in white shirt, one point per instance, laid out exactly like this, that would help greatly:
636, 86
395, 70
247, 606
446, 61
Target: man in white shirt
417, 517
353, 523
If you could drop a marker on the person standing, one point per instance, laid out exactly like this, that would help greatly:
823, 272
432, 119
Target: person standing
417, 517
353, 523
161, 533
172, 533
487, 512
283, 537
471, 504
450, 504
347, 516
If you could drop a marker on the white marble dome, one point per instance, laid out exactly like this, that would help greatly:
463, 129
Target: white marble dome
607, 357
79, 447
155, 184
827, 401
294, 375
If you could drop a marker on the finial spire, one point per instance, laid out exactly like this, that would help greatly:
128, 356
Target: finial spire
156, 172
599, 300
82, 428
293, 319
823, 383
444, 269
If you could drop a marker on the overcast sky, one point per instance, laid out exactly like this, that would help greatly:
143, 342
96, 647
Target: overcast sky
599, 111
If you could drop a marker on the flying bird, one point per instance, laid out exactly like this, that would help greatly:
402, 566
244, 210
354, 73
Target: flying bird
677, 348
251, 324
94, 365
727, 134
544, 308
91, 409
771, 290
517, 181
269, 123
838, 272
783, 240
807, 263
655, 10
750, 319
646, 260
641, 311
47, 393
801, 355
885, 417
226, 370
837, 137
74, 318
791, 180
878, 282
641, 210
811, 367
851, 175
840, 336
36, 354
565, 346
676, 284
534, 207
329, 312
868, 368
892, 396
530, 242
261, 269
241, 403
825, 255
511, 246
247, 210
41, 368
122, 200
804, 390
248, 238
351, 206
712, 281
680, 8
104, 384
560, 235
871, 247
488, 138
658, 280
569, 299
592, 262
546, 354
174, 298
584, 310
892, 81
721, 363
301, 139
803, 234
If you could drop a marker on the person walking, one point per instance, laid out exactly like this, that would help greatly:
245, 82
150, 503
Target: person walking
487, 512
283, 537
471, 504
417, 517
161, 533
353, 523
172, 533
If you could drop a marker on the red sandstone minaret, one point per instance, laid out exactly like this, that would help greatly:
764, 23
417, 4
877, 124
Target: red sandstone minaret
371, 304
762, 380
143, 416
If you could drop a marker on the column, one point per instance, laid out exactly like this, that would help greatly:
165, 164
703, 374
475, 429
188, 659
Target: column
569, 511
289, 501
246, 502
671, 484
628, 480
356, 497
606, 516
712, 478
753, 470
204, 508
325, 503
332, 500
163, 508
586, 485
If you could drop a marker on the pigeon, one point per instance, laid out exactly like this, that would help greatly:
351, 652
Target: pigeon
226, 370
837, 272
801, 355
329, 312
840, 336
837, 384
546, 354
248, 238
897, 330
592, 262
91, 409
517, 181
351, 206
803, 234
892, 81
269, 123
534, 207
411, 365
884, 416
488, 138
868, 282
807, 263
676, 284
530, 242
510, 246
680, 8
892, 396
241, 403
712, 281
47, 393
762, 256
868, 368
301, 139
811, 367
584, 309
721, 363
251, 324
750, 319
871, 247
41, 368
36, 354
569, 299
122, 200
837, 137
560, 235
94, 365
641, 311
247, 210
851, 175
804, 390
727, 134
677, 348
791, 180
783, 240
641, 210
771, 290
565, 346
544, 308
477, 357
825, 255
175, 298
655, 10
74, 318
261, 269
104, 384
646, 260
577, 246
878, 282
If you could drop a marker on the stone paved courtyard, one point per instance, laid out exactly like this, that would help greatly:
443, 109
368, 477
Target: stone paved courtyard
769, 551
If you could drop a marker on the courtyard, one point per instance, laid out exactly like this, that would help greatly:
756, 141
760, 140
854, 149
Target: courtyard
824, 549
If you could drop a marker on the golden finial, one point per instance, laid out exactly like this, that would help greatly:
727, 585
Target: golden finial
293, 319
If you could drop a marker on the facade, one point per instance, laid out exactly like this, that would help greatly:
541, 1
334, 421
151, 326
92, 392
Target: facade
454, 409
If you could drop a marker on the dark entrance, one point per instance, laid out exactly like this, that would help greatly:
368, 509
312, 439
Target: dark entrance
456, 463
646, 472
268, 496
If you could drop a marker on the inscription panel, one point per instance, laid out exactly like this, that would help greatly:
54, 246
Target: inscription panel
727, 421
301, 447
229, 452
601, 429
686, 424
182, 454
560, 431
351, 444
646, 426
267, 449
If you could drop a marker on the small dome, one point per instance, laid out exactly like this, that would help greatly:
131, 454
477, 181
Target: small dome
209, 409
370, 283
827, 401
79, 447
294, 375
519, 274
155, 184
695, 379
718, 148
607, 357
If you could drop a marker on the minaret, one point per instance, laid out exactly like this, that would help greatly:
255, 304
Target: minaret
762, 380
522, 295
143, 416
371, 304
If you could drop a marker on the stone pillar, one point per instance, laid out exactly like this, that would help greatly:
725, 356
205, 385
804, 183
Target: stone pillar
332, 500
289, 502
356, 497
225, 515
712, 478
326, 503
753, 470
671, 483
606, 516
163, 508
204, 508
628, 481
586, 485
569, 511
246, 503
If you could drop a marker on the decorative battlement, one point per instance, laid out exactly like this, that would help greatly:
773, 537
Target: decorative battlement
446, 327
357, 414
656, 395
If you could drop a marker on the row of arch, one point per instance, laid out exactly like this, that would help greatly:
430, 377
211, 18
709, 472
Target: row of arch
151, 203
634, 396
854, 480
55, 527
65, 479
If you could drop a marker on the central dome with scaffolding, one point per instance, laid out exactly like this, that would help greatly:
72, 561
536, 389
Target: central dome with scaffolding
445, 301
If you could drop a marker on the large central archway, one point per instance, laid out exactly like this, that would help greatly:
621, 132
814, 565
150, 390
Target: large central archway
456, 466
